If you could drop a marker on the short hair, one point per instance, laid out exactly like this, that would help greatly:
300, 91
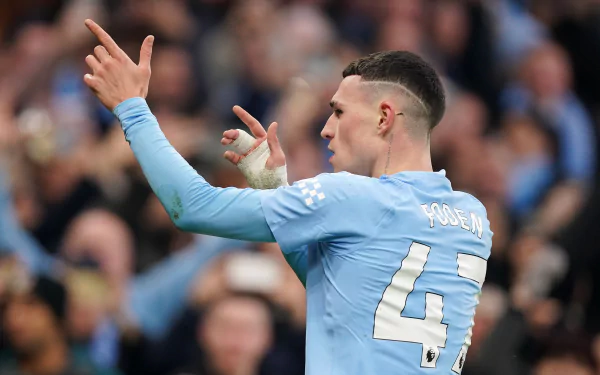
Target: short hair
409, 71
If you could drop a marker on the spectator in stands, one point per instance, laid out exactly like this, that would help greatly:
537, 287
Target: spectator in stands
34, 326
235, 336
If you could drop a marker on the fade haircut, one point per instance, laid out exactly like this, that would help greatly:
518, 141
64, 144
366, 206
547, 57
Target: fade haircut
409, 73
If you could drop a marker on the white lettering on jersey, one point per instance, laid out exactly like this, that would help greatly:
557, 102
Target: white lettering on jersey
428, 214
476, 220
455, 217
443, 219
462, 218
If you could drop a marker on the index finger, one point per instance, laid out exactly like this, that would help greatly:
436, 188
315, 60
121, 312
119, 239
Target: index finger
105, 39
255, 127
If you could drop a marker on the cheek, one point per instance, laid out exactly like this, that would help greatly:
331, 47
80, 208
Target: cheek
349, 131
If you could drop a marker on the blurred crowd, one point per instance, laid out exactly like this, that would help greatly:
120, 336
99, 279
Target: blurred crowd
94, 277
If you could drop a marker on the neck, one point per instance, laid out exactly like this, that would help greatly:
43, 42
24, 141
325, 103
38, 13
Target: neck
51, 359
412, 158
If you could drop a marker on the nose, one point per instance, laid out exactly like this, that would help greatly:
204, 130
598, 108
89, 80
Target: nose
328, 130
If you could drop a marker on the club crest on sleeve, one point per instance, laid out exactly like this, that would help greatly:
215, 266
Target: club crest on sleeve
310, 189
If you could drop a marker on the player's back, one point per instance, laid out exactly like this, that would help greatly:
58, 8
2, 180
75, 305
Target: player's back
399, 294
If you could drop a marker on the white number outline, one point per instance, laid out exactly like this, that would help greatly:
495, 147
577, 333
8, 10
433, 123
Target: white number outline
412, 259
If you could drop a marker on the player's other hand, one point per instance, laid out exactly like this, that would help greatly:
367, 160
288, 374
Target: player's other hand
258, 156
115, 77
244, 144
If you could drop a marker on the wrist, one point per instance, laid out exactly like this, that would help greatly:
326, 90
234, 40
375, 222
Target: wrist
125, 106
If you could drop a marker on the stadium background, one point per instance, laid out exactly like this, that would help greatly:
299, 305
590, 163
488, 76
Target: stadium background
77, 216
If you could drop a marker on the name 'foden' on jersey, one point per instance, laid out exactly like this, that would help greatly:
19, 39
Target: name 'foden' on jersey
445, 215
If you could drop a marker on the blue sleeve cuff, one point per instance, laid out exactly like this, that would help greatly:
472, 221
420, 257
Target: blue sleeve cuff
130, 105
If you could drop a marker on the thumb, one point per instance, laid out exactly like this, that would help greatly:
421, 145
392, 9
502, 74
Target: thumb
277, 155
146, 52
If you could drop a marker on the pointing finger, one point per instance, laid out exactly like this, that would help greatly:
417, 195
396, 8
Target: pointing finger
104, 38
255, 127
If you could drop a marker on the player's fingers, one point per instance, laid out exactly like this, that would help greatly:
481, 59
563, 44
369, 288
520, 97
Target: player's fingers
232, 157
255, 127
92, 62
243, 143
232, 134
90, 81
101, 54
277, 155
108, 42
146, 52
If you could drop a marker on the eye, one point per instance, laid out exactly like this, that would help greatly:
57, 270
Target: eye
338, 112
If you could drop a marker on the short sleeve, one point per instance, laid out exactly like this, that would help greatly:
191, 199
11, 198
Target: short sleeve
319, 209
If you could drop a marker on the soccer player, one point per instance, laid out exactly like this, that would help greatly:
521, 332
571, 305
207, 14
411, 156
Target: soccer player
392, 257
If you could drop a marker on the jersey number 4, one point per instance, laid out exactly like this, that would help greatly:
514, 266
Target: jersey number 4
430, 332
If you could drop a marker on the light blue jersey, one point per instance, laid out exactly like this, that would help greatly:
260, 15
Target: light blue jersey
394, 279
393, 267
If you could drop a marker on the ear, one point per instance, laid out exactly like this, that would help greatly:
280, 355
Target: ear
386, 118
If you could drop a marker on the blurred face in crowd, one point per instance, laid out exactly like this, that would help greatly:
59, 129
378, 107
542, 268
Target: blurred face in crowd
547, 72
103, 237
450, 26
100, 237
172, 72
29, 324
562, 366
352, 128
236, 334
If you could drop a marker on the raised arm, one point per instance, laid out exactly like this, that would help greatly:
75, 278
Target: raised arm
192, 203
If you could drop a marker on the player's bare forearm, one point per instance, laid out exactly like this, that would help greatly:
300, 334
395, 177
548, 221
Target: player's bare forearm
191, 202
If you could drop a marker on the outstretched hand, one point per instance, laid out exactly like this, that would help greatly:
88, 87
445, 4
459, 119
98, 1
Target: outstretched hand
244, 144
115, 77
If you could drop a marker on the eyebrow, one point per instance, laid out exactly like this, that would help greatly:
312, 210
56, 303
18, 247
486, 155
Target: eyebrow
334, 103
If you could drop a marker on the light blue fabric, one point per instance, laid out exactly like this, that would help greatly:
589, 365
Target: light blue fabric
355, 234
191, 202
361, 230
